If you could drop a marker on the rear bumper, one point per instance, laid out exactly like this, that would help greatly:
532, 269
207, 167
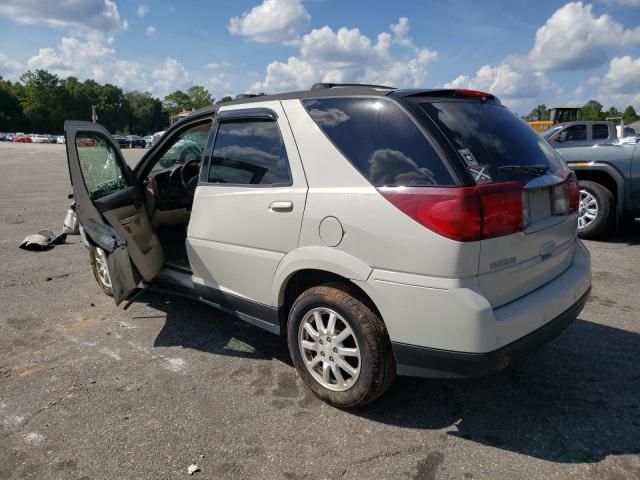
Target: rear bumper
430, 362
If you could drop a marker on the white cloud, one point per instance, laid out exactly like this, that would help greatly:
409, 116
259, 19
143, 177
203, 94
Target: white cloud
346, 55
90, 56
574, 38
400, 32
171, 76
216, 65
9, 69
624, 3
150, 30
101, 15
219, 86
271, 21
505, 82
143, 10
621, 84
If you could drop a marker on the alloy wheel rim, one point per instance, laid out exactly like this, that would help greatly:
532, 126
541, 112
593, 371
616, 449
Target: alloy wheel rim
329, 349
102, 267
587, 210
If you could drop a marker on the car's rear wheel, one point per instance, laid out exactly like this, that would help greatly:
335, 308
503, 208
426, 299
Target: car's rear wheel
596, 212
340, 346
101, 269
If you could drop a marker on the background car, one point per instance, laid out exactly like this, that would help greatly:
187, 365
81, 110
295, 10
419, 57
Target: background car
149, 140
136, 141
60, 139
21, 138
120, 140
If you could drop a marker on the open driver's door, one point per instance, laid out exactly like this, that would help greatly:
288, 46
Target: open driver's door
110, 207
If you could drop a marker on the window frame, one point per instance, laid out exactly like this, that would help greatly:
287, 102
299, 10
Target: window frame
439, 151
124, 167
248, 115
146, 163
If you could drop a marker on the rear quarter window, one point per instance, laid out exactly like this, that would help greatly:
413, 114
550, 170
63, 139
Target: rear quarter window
380, 140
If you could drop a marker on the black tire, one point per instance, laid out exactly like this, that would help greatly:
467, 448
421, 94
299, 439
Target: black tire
377, 363
605, 216
106, 289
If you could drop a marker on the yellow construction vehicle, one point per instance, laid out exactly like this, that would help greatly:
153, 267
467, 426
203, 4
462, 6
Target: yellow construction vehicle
557, 115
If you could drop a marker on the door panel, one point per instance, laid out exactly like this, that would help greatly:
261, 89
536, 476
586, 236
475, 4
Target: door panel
248, 213
109, 206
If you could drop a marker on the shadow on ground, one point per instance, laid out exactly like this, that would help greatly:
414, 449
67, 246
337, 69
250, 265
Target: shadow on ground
191, 324
575, 400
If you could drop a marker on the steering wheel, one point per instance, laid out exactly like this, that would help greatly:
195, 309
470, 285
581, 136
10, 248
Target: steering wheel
190, 181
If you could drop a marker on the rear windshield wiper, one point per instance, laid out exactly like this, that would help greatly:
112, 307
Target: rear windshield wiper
534, 170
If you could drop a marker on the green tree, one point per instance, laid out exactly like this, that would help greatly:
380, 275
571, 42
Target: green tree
541, 112
629, 115
146, 114
612, 112
112, 108
592, 110
199, 97
176, 102
44, 101
225, 99
11, 117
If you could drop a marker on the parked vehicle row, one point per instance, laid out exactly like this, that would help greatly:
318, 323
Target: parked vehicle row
381, 231
128, 141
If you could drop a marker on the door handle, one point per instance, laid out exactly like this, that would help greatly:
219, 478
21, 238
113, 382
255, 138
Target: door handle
281, 206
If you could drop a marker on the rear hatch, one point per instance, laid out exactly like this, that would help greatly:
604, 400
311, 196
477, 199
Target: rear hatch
497, 148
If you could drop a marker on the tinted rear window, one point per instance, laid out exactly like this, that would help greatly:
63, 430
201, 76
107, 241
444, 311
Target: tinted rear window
380, 140
488, 136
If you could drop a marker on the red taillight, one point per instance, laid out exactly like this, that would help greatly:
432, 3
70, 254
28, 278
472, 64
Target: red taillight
574, 192
465, 214
472, 93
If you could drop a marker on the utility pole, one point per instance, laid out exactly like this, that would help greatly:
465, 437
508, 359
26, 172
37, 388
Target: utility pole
94, 115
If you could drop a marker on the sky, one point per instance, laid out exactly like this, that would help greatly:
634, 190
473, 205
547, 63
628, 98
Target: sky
525, 52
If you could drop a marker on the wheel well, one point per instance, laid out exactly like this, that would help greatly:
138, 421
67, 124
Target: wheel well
600, 177
304, 279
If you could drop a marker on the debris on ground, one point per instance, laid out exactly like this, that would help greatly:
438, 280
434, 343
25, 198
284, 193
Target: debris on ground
193, 468
43, 240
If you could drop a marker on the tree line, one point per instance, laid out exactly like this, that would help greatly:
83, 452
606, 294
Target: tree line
41, 101
592, 110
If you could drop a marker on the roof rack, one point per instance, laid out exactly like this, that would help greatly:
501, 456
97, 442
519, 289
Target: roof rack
320, 86
246, 95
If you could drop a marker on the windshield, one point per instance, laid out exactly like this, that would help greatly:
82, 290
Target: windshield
491, 140
548, 133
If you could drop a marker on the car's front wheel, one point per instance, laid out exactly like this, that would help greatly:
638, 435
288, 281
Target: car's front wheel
596, 212
340, 346
101, 269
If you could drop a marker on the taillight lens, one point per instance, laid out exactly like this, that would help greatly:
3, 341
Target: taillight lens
566, 196
574, 192
464, 214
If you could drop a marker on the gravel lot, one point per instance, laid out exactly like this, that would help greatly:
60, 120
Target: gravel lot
88, 390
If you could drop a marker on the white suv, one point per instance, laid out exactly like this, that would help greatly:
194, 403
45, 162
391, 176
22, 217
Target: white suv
383, 231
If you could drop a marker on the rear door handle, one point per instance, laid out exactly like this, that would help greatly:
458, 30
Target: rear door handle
281, 206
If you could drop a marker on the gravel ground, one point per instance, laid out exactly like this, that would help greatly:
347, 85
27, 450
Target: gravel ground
88, 390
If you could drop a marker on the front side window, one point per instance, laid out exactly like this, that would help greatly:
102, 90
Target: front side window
249, 153
187, 146
573, 133
380, 141
600, 131
102, 171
